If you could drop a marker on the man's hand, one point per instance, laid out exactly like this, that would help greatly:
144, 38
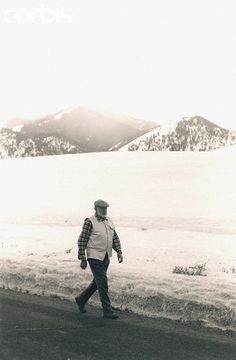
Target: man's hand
83, 264
120, 258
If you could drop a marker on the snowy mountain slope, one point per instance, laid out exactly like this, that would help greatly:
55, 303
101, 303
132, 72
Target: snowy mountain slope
195, 134
13, 144
80, 129
160, 130
83, 128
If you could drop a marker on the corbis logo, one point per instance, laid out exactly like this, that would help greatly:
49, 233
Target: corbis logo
41, 14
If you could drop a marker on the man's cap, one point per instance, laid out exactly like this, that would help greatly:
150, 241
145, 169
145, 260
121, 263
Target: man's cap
101, 203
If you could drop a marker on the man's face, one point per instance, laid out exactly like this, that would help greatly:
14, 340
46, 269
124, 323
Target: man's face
102, 211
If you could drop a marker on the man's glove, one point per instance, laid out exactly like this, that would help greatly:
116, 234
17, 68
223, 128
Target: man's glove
120, 258
83, 264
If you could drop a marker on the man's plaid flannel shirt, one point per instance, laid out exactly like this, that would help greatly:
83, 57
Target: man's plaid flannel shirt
85, 235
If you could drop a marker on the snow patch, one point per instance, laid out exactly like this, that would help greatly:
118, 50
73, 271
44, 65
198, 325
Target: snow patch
17, 128
61, 113
162, 130
58, 116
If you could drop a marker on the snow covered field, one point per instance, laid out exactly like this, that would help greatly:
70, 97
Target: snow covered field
170, 209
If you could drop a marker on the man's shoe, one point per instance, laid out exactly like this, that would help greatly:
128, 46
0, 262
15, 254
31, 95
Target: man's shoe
110, 315
80, 305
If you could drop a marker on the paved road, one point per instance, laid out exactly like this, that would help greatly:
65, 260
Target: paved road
33, 327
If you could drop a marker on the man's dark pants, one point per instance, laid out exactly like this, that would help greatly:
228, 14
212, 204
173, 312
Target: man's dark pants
99, 282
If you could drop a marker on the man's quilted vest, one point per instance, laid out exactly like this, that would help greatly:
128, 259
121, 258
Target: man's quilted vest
100, 240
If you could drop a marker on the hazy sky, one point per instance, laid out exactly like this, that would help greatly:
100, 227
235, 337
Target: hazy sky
158, 60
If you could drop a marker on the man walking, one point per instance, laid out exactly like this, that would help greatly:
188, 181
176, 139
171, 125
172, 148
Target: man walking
98, 238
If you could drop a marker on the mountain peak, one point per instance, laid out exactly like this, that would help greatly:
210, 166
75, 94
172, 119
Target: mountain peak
78, 129
193, 133
197, 119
